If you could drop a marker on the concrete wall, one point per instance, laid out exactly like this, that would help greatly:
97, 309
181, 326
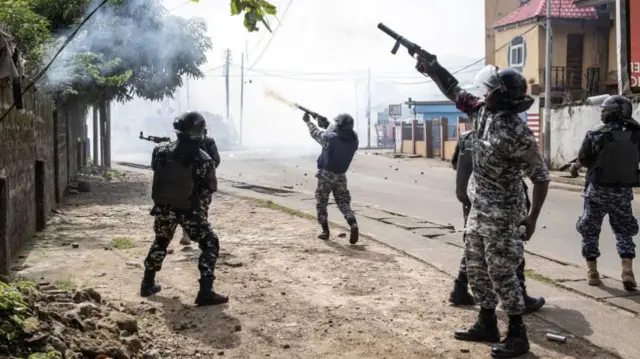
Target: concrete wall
34, 167
568, 127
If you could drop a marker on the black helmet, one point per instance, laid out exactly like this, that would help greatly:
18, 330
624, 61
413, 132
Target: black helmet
506, 89
616, 107
344, 122
192, 124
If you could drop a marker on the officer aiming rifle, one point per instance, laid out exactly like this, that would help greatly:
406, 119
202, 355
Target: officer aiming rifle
154, 139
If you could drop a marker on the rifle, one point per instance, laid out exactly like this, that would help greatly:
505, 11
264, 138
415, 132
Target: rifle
323, 122
412, 48
154, 138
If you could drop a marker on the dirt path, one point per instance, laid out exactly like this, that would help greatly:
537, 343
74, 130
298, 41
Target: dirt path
292, 296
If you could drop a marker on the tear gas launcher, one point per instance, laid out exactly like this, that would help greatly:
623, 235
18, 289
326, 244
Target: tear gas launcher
441, 76
155, 139
412, 48
323, 122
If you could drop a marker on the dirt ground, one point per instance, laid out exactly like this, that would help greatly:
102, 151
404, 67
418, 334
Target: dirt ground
291, 295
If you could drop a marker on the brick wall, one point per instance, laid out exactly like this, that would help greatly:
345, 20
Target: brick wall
27, 136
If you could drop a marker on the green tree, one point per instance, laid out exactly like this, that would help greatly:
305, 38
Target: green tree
30, 29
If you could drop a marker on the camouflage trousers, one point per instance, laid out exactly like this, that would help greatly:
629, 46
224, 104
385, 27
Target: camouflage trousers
462, 271
197, 226
623, 224
204, 207
493, 254
336, 183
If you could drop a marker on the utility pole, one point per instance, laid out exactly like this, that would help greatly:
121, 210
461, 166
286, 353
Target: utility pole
188, 97
357, 110
227, 65
241, 96
96, 137
547, 90
369, 108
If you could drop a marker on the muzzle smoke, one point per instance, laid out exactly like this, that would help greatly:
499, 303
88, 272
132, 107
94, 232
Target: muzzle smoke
276, 96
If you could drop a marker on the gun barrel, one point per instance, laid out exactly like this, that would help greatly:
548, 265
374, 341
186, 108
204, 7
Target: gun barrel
314, 114
389, 32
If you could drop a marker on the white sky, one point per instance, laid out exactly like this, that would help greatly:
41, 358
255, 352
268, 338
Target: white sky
328, 36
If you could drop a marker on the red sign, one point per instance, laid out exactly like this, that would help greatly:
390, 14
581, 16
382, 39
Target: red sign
634, 39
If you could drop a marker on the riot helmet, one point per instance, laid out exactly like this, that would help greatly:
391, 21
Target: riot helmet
616, 107
505, 89
344, 122
190, 125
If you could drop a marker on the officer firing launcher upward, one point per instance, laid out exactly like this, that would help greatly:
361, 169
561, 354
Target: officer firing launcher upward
339, 146
503, 146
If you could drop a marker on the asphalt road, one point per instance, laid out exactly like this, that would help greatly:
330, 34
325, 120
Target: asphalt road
416, 188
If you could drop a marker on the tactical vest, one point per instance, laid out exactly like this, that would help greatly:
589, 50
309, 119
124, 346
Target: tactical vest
174, 181
617, 162
336, 157
464, 168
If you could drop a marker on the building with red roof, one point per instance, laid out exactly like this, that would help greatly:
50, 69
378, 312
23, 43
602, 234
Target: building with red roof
583, 46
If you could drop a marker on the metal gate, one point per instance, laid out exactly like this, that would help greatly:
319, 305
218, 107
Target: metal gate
435, 130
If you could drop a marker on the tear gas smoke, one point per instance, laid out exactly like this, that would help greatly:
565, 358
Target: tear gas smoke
275, 96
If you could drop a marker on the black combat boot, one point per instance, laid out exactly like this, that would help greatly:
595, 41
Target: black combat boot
325, 232
460, 294
149, 286
206, 295
485, 329
532, 304
355, 231
515, 344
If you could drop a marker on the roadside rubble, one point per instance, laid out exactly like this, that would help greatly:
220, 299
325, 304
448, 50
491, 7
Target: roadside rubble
42, 320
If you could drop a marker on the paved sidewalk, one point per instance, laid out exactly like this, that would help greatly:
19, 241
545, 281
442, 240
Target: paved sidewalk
606, 316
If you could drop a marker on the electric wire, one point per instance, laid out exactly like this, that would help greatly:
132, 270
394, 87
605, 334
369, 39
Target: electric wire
284, 14
44, 70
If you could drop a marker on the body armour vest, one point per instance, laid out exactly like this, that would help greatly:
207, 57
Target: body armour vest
336, 157
617, 161
464, 167
174, 179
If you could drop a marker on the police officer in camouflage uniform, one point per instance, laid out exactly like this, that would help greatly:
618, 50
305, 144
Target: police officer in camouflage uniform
183, 175
209, 146
463, 164
339, 145
503, 146
610, 152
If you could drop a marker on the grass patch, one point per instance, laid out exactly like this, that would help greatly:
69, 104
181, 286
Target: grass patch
122, 243
113, 174
66, 284
530, 273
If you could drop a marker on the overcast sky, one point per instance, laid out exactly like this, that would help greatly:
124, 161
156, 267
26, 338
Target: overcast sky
320, 55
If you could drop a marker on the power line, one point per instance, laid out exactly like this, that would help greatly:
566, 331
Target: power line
181, 5
44, 70
284, 14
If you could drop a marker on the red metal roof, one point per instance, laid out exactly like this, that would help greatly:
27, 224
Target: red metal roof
560, 9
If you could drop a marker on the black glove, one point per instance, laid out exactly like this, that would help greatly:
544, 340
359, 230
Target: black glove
306, 118
323, 122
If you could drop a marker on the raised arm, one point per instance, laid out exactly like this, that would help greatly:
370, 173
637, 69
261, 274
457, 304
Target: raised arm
316, 133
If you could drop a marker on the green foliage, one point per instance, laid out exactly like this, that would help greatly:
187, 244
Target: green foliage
14, 308
254, 11
54, 354
30, 29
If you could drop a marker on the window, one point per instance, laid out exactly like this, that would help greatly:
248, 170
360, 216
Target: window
517, 53
516, 56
